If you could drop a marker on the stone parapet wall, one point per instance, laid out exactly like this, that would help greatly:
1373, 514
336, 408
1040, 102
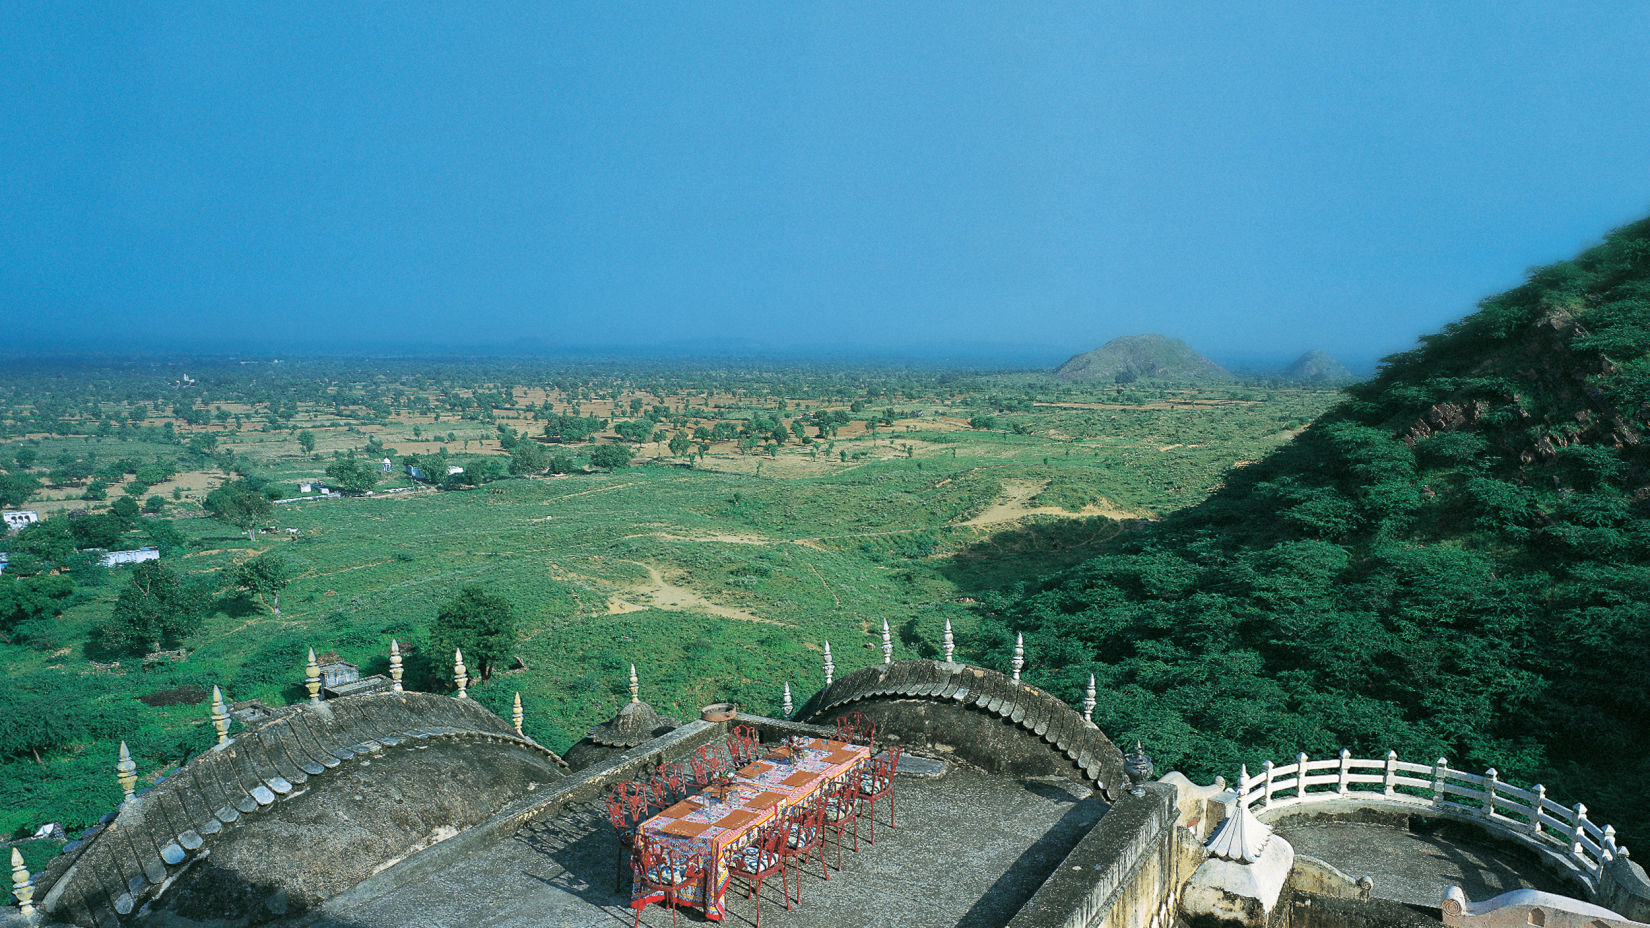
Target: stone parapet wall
1125, 873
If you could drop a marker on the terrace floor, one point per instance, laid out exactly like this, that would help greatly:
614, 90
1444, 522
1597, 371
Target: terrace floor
970, 849
1416, 867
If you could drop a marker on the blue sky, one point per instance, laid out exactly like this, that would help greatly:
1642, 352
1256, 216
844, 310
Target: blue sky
1025, 179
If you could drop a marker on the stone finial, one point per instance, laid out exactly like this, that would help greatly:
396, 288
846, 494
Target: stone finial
887, 644
22, 885
1088, 702
126, 773
950, 643
220, 715
1019, 654
1241, 837
312, 677
515, 715
460, 678
1137, 767
395, 665
786, 705
635, 686
830, 668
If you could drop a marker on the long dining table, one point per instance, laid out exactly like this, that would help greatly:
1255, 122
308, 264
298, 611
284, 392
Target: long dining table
713, 824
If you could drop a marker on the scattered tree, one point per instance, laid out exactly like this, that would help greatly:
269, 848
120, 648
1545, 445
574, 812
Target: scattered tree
610, 457
157, 607
306, 441
239, 503
352, 475
264, 575
482, 624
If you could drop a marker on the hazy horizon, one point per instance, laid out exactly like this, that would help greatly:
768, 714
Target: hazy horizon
974, 183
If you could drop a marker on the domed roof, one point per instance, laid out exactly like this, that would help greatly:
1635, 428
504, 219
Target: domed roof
635, 723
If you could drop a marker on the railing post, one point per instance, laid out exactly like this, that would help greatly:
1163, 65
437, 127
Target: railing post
1490, 779
1540, 804
1576, 831
1269, 775
1243, 786
1609, 840
1440, 768
1341, 784
1300, 775
1390, 784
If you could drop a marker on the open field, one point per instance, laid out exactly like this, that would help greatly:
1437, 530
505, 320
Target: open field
720, 574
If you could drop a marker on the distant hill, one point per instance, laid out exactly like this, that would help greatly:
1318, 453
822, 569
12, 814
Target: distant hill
1141, 357
1318, 367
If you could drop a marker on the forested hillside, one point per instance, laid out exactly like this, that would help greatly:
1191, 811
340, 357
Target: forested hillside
1455, 562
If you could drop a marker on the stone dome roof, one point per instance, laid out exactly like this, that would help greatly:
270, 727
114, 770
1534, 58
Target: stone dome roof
636, 722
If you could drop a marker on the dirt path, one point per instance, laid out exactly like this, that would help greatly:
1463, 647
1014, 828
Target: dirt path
723, 537
659, 593
1015, 504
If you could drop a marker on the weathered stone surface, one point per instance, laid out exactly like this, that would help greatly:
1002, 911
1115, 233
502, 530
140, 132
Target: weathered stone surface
1237, 893
635, 724
294, 809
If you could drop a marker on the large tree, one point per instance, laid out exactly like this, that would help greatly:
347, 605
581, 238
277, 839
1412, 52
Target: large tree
240, 503
482, 624
353, 475
157, 607
264, 575
610, 457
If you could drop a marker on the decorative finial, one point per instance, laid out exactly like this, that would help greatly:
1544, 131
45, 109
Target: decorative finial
312, 677
786, 703
220, 716
887, 644
1019, 655
460, 678
635, 686
1088, 702
126, 773
830, 668
515, 715
22, 886
395, 666
950, 644
1137, 766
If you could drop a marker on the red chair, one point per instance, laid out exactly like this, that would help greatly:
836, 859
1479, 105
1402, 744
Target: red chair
658, 871
706, 765
841, 810
852, 728
877, 781
805, 831
625, 814
669, 785
743, 745
760, 859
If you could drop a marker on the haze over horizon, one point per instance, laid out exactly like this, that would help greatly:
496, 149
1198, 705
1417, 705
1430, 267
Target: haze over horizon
967, 181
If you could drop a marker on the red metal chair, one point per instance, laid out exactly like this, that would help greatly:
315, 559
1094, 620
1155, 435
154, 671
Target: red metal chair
743, 745
841, 810
668, 786
658, 871
706, 765
624, 813
805, 831
852, 728
877, 781
760, 859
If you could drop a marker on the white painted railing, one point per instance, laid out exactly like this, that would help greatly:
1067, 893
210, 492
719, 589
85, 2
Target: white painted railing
1526, 815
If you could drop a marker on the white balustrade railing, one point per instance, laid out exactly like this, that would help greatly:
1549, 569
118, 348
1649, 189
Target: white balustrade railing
1527, 815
